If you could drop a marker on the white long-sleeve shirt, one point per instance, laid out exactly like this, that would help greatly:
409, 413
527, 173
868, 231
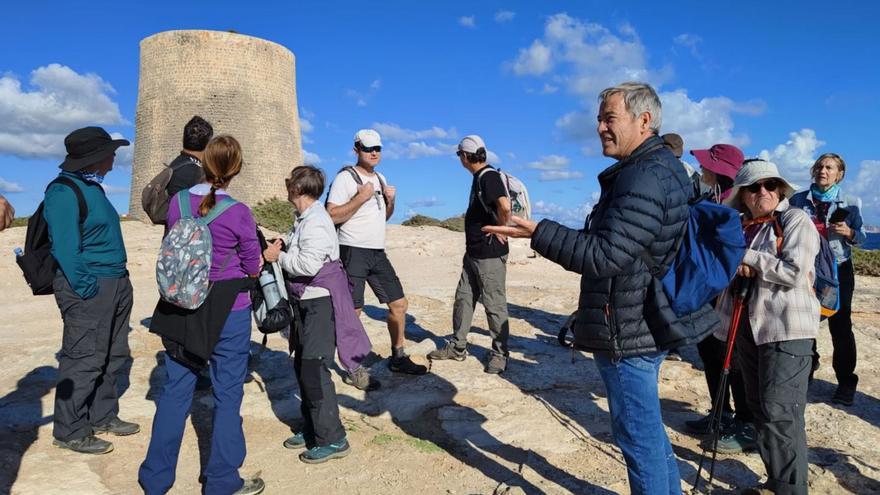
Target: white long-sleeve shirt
311, 243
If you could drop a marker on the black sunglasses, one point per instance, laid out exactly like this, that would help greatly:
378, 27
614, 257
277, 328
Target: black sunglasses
371, 149
769, 185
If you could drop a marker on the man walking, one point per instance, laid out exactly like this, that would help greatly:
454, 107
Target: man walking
360, 202
484, 266
623, 314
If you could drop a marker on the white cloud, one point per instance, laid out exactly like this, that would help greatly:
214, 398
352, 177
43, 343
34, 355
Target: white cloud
503, 16
468, 21
867, 187
553, 175
795, 157
376, 85
425, 202
124, 154
492, 157
310, 158
689, 41
587, 57
34, 120
549, 89
111, 189
393, 132
573, 217
534, 60
550, 162
10, 187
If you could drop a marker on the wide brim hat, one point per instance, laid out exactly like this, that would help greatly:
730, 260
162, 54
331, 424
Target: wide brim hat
752, 171
88, 146
722, 159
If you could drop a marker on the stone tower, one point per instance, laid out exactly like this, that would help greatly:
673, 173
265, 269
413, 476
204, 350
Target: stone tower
243, 86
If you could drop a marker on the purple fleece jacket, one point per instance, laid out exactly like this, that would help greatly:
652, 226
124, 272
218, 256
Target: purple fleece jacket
235, 227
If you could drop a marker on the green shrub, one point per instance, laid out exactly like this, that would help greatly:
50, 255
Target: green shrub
274, 214
455, 224
20, 221
866, 262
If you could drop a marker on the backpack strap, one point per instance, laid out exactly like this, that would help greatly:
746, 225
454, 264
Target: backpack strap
184, 204
357, 179
777, 228
480, 174
80, 199
218, 209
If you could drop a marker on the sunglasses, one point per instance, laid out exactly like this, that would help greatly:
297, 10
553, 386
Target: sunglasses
371, 149
770, 186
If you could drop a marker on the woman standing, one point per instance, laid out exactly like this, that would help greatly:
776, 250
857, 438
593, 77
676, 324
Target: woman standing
224, 318
780, 320
838, 219
322, 302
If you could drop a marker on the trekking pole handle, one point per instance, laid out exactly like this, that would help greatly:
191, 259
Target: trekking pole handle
742, 287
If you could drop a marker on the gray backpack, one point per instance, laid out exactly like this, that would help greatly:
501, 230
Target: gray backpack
184, 264
155, 198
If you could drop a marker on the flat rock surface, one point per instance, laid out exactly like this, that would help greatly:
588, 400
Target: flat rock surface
540, 427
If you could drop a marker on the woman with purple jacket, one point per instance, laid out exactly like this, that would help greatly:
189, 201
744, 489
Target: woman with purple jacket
323, 313
218, 333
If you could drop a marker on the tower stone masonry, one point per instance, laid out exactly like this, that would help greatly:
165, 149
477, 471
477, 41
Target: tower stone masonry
244, 86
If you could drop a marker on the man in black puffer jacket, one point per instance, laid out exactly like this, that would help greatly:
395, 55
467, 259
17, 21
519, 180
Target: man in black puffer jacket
623, 314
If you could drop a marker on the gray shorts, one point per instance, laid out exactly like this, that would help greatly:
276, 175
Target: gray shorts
370, 266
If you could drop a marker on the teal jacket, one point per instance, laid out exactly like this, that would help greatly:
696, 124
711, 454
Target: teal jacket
100, 251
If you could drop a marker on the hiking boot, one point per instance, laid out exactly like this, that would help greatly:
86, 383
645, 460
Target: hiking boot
450, 351
252, 486
361, 380
497, 364
701, 426
743, 440
117, 427
317, 455
406, 365
297, 441
845, 395
673, 355
86, 445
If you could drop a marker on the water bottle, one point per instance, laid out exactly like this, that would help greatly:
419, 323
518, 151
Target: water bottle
269, 287
18, 252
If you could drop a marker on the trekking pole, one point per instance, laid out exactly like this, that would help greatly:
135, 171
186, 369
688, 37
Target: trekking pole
741, 288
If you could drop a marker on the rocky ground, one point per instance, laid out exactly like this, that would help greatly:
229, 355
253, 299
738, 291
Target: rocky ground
541, 427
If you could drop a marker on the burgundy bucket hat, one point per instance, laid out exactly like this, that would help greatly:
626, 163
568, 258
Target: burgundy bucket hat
723, 159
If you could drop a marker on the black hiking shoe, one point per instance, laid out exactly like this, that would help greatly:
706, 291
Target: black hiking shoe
406, 365
845, 395
117, 427
86, 445
448, 352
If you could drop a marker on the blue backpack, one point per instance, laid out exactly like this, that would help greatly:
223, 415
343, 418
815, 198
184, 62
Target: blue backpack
826, 284
709, 252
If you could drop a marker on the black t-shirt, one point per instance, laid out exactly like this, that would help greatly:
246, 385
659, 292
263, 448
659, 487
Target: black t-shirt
477, 243
186, 174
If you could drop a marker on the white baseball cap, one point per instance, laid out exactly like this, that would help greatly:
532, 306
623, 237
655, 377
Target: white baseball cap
471, 143
368, 138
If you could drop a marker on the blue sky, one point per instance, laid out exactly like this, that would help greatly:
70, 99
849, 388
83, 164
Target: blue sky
789, 80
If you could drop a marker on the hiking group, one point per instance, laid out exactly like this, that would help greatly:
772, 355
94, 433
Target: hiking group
639, 297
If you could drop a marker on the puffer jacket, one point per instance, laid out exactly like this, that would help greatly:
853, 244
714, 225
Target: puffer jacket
622, 309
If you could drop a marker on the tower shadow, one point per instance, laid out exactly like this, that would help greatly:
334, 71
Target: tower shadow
21, 415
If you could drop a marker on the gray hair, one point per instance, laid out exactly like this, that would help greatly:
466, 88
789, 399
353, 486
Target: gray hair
638, 99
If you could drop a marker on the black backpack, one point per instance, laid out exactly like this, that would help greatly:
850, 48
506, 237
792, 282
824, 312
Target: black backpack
36, 263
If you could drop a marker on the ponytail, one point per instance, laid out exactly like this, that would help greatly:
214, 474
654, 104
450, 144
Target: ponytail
222, 163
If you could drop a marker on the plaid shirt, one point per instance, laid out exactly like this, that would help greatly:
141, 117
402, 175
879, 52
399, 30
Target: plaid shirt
783, 305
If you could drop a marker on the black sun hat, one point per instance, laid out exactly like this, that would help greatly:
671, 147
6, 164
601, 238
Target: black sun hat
88, 146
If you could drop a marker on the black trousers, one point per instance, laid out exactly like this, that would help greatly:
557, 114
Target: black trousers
712, 353
94, 349
840, 325
775, 376
314, 347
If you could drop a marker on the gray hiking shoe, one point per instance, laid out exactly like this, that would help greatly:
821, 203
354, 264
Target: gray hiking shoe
117, 427
497, 364
252, 486
86, 445
740, 441
448, 352
361, 380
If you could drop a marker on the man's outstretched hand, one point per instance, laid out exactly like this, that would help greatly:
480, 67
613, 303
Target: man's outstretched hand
522, 228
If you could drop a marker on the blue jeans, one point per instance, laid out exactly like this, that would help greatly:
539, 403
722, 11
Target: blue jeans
228, 369
636, 424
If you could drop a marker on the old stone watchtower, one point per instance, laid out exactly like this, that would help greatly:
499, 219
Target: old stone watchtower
243, 85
